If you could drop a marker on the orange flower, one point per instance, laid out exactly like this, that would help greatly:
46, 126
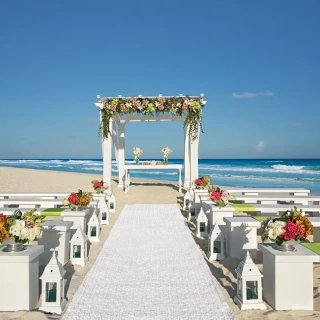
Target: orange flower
305, 224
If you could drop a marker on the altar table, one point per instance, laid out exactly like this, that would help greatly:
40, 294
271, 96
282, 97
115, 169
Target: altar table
128, 168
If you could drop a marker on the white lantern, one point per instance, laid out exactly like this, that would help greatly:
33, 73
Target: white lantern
112, 203
202, 224
215, 244
53, 287
186, 200
249, 285
94, 229
79, 248
104, 214
192, 211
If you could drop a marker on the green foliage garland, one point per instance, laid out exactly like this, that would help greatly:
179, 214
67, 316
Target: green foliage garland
179, 106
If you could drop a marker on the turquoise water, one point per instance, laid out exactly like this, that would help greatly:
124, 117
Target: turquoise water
294, 173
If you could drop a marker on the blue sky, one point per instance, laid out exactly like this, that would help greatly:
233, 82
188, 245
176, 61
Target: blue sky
257, 63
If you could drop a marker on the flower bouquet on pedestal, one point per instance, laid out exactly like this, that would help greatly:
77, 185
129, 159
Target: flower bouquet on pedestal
99, 186
137, 153
201, 183
292, 227
221, 197
166, 151
20, 228
78, 200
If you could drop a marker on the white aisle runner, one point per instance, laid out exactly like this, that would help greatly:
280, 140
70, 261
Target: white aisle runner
149, 268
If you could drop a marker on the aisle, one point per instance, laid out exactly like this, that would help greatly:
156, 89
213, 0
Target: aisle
149, 268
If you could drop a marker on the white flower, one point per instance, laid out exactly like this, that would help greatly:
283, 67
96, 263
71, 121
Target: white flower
225, 196
166, 151
272, 234
137, 152
303, 214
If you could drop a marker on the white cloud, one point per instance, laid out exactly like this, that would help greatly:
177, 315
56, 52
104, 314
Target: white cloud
260, 146
250, 95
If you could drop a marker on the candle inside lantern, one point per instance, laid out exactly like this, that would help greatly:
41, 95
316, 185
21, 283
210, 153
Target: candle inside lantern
93, 232
111, 205
77, 254
104, 216
249, 294
51, 292
215, 250
202, 227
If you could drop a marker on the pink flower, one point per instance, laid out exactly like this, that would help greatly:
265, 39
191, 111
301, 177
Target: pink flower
160, 107
145, 102
215, 195
198, 182
185, 106
73, 198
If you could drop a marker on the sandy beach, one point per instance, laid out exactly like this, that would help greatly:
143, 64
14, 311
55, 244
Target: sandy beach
141, 192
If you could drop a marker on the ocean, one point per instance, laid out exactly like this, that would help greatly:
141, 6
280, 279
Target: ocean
293, 173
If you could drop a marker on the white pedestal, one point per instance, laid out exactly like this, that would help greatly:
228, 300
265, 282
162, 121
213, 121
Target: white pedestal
316, 228
56, 235
20, 279
78, 218
216, 214
288, 277
198, 193
241, 236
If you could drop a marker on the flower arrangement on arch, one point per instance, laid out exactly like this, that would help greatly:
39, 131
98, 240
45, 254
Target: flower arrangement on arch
81, 199
292, 225
222, 197
166, 151
201, 182
99, 186
22, 227
137, 153
152, 106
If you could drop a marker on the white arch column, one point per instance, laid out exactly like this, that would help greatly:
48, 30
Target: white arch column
194, 158
187, 180
107, 157
121, 153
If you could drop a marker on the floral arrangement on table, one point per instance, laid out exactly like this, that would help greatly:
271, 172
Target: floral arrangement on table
22, 227
201, 182
80, 199
99, 186
292, 225
166, 151
218, 195
152, 163
137, 153
177, 106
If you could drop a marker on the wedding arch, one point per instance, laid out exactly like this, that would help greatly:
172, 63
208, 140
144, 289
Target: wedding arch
115, 112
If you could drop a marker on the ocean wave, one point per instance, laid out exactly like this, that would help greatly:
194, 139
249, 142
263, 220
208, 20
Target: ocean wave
279, 168
92, 169
283, 167
79, 161
279, 179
